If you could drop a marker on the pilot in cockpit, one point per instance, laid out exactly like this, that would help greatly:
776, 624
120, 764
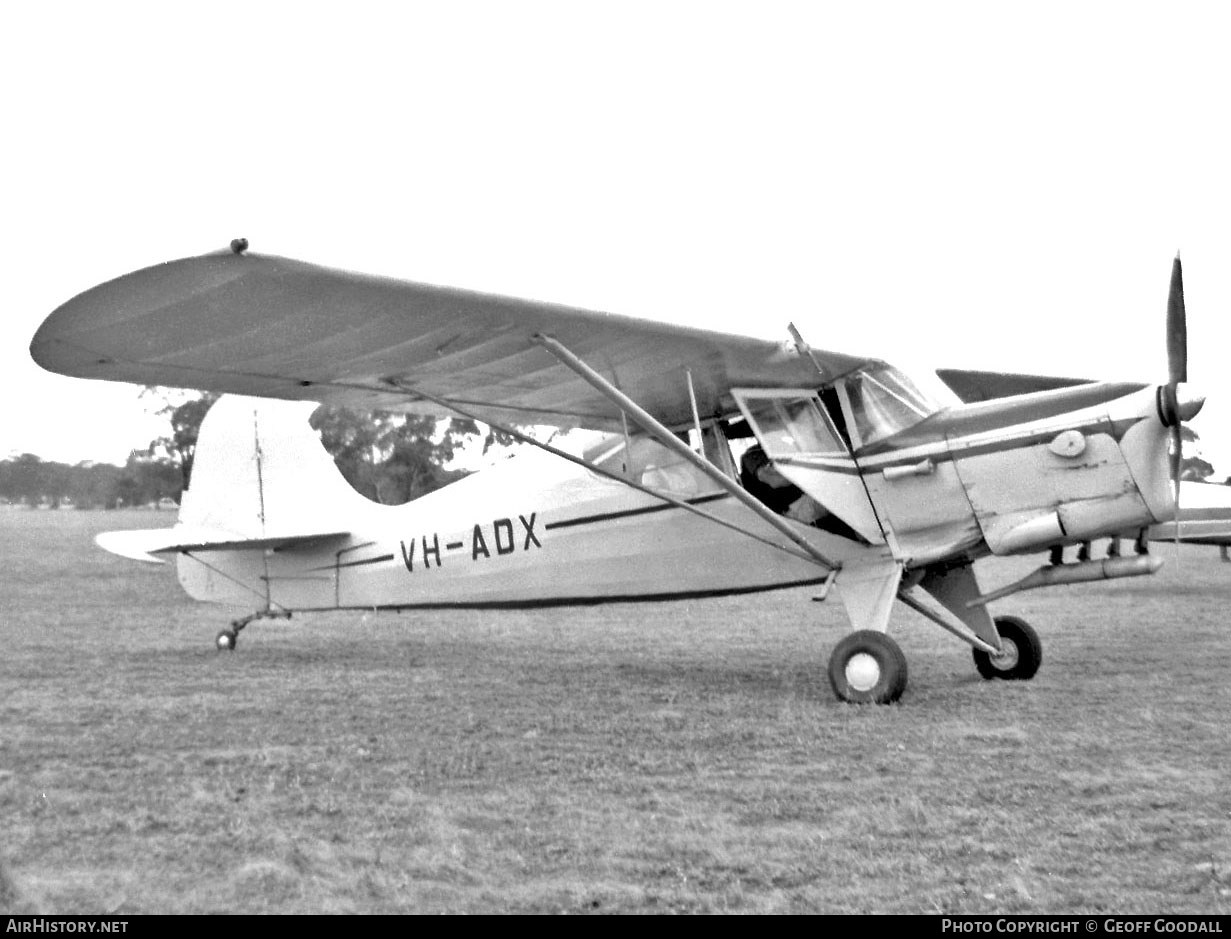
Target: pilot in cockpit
763, 480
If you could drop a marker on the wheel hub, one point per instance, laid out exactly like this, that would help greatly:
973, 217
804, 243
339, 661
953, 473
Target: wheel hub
1009, 655
862, 671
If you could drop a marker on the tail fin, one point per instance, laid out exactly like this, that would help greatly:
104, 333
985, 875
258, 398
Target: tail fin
260, 472
260, 479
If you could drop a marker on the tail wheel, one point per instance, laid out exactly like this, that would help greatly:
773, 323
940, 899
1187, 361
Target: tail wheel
225, 641
1021, 655
867, 667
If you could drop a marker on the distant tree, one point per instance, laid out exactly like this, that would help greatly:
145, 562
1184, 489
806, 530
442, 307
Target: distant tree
54, 484
92, 485
180, 446
31, 480
391, 458
146, 480
22, 479
1193, 468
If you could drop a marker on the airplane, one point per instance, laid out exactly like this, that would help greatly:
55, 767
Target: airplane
727, 464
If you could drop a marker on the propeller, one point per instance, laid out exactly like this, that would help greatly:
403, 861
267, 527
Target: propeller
1177, 371
1177, 401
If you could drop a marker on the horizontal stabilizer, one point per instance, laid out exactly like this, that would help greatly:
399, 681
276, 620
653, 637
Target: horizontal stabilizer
143, 545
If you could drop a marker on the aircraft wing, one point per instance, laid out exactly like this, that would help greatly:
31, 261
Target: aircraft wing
972, 386
279, 328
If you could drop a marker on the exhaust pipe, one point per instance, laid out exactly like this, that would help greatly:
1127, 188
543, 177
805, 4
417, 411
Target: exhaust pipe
1051, 575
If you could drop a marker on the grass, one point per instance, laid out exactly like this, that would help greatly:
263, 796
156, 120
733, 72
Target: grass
681, 757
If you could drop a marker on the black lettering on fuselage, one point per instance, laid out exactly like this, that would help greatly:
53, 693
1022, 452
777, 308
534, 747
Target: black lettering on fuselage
408, 552
505, 526
502, 532
434, 549
477, 544
529, 526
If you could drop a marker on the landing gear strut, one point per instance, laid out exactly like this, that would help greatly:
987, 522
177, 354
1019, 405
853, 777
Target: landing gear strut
867, 667
1022, 651
226, 639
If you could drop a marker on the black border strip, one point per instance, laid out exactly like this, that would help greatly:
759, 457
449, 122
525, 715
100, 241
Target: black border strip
608, 516
382, 558
572, 601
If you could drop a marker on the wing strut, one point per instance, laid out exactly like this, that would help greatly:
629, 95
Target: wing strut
659, 432
555, 451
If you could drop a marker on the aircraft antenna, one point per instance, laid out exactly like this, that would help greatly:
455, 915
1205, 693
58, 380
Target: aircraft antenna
260, 478
696, 414
260, 489
804, 349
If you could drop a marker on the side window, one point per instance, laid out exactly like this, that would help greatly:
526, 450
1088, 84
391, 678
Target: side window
651, 464
789, 423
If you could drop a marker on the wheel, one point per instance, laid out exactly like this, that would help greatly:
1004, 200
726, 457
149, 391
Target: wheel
1022, 655
225, 642
867, 667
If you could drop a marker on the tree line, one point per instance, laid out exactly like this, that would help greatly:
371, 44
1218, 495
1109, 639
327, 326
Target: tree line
390, 458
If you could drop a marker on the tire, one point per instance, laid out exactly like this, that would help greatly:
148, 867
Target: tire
867, 667
1023, 652
225, 641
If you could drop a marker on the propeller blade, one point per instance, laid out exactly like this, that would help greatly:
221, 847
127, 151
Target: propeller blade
1177, 328
1176, 459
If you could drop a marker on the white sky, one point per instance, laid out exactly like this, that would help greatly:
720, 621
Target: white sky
986, 185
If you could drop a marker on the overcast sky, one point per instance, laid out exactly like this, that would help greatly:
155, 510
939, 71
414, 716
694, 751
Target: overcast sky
986, 185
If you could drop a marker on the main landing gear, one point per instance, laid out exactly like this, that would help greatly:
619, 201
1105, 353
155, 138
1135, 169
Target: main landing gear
226, 639
868, 667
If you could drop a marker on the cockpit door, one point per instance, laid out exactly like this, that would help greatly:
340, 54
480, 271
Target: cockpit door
801, 440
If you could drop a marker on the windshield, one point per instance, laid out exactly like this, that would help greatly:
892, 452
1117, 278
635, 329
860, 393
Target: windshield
884, 402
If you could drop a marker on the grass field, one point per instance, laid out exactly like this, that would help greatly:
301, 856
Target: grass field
631, 758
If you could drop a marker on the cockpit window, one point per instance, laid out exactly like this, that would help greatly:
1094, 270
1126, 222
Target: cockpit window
884, 402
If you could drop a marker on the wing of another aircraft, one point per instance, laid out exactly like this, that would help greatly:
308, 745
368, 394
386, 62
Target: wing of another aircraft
972, 386
273, 327
1205, 516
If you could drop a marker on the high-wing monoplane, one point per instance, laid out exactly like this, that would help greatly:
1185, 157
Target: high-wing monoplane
729, 464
